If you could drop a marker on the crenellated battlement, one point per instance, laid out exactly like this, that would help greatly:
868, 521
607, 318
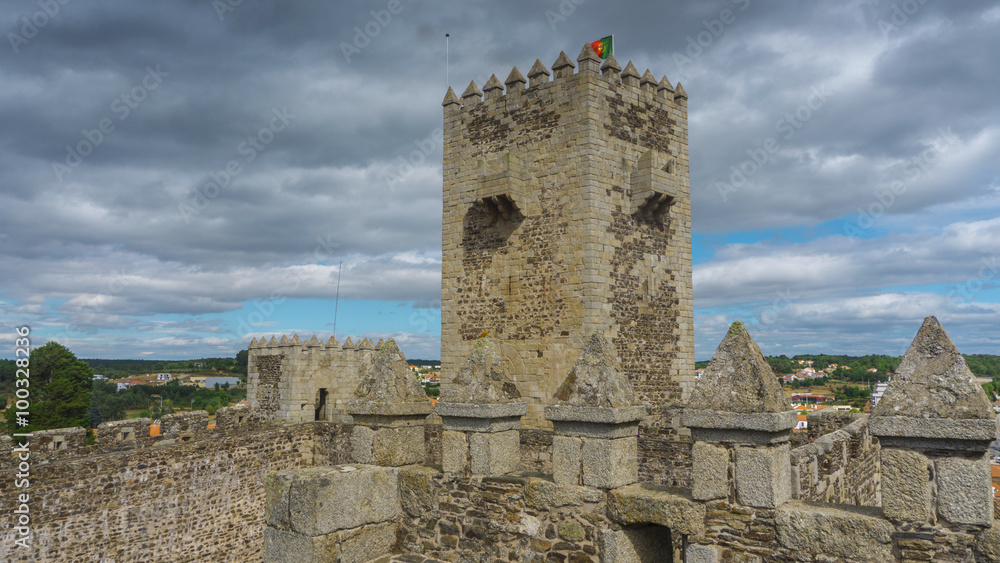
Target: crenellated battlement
541, 82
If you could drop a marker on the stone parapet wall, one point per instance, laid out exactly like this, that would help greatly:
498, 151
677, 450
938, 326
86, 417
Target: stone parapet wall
839, 467
158, 499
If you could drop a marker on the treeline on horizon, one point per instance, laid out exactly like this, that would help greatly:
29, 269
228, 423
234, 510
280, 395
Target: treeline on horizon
117, 369
981, 365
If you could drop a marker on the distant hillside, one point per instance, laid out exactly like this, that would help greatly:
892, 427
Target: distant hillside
981, 365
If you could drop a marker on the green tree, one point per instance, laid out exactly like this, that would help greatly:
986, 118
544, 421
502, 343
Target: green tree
60, 390
242, 360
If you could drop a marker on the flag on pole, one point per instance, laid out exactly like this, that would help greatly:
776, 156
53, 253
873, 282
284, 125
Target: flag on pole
604, 46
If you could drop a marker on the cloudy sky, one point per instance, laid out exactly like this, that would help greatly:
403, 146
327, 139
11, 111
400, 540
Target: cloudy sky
177, 177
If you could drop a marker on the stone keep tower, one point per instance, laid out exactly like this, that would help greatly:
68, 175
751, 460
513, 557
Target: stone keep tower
567, 211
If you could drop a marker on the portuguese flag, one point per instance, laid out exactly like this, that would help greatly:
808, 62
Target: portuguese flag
604, 46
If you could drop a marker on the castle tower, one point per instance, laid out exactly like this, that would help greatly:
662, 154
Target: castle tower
567, 211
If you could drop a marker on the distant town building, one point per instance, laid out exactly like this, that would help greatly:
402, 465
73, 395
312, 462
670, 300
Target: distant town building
877, 393
211, 382
163, 377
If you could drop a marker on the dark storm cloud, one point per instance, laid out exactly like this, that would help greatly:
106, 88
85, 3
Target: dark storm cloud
153, 203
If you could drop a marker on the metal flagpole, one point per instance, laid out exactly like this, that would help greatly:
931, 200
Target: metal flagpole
336, 304
446, 78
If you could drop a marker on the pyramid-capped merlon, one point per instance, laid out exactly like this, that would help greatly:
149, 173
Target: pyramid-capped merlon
450, 98
933, 381
492, 84
472, 91
484, 377
738, 379
648, 78
538, 69
610, 64
587, 54
253, 343
562, 62
596, 379
679, 93
387, 379
515, 77
630, 71
664, 84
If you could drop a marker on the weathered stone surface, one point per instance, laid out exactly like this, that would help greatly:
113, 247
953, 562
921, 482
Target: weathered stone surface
366, 543
595, 430
763, 476
988, 544
709, 472
596, 379
946, 429
455, 452
394, 447
416, 490
933, 381
738, 379
566, 460
483, 378
597, 415
542, 494
695, 553
494, 453
388, 380
570, 530
608, 464
853, 533
906, 492
635, 544
290, 547
964, 490
648, 504
481, 410
757, 422
321, 500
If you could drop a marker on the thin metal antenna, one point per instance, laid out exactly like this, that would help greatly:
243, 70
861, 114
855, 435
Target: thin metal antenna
446, 78
336, 304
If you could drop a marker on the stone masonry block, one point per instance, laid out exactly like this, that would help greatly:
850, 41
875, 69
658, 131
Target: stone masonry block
367, 543
608, 464
289, 547
390, 447
709, 471
695, 553
361, 444
321, 500
763, 476
455, 452
494, 453
964, 490
566, 460
642, 504
835, 531
417, 491
906, 494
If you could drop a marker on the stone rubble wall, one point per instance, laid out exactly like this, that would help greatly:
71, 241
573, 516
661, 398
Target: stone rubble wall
159, 498
840, 467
